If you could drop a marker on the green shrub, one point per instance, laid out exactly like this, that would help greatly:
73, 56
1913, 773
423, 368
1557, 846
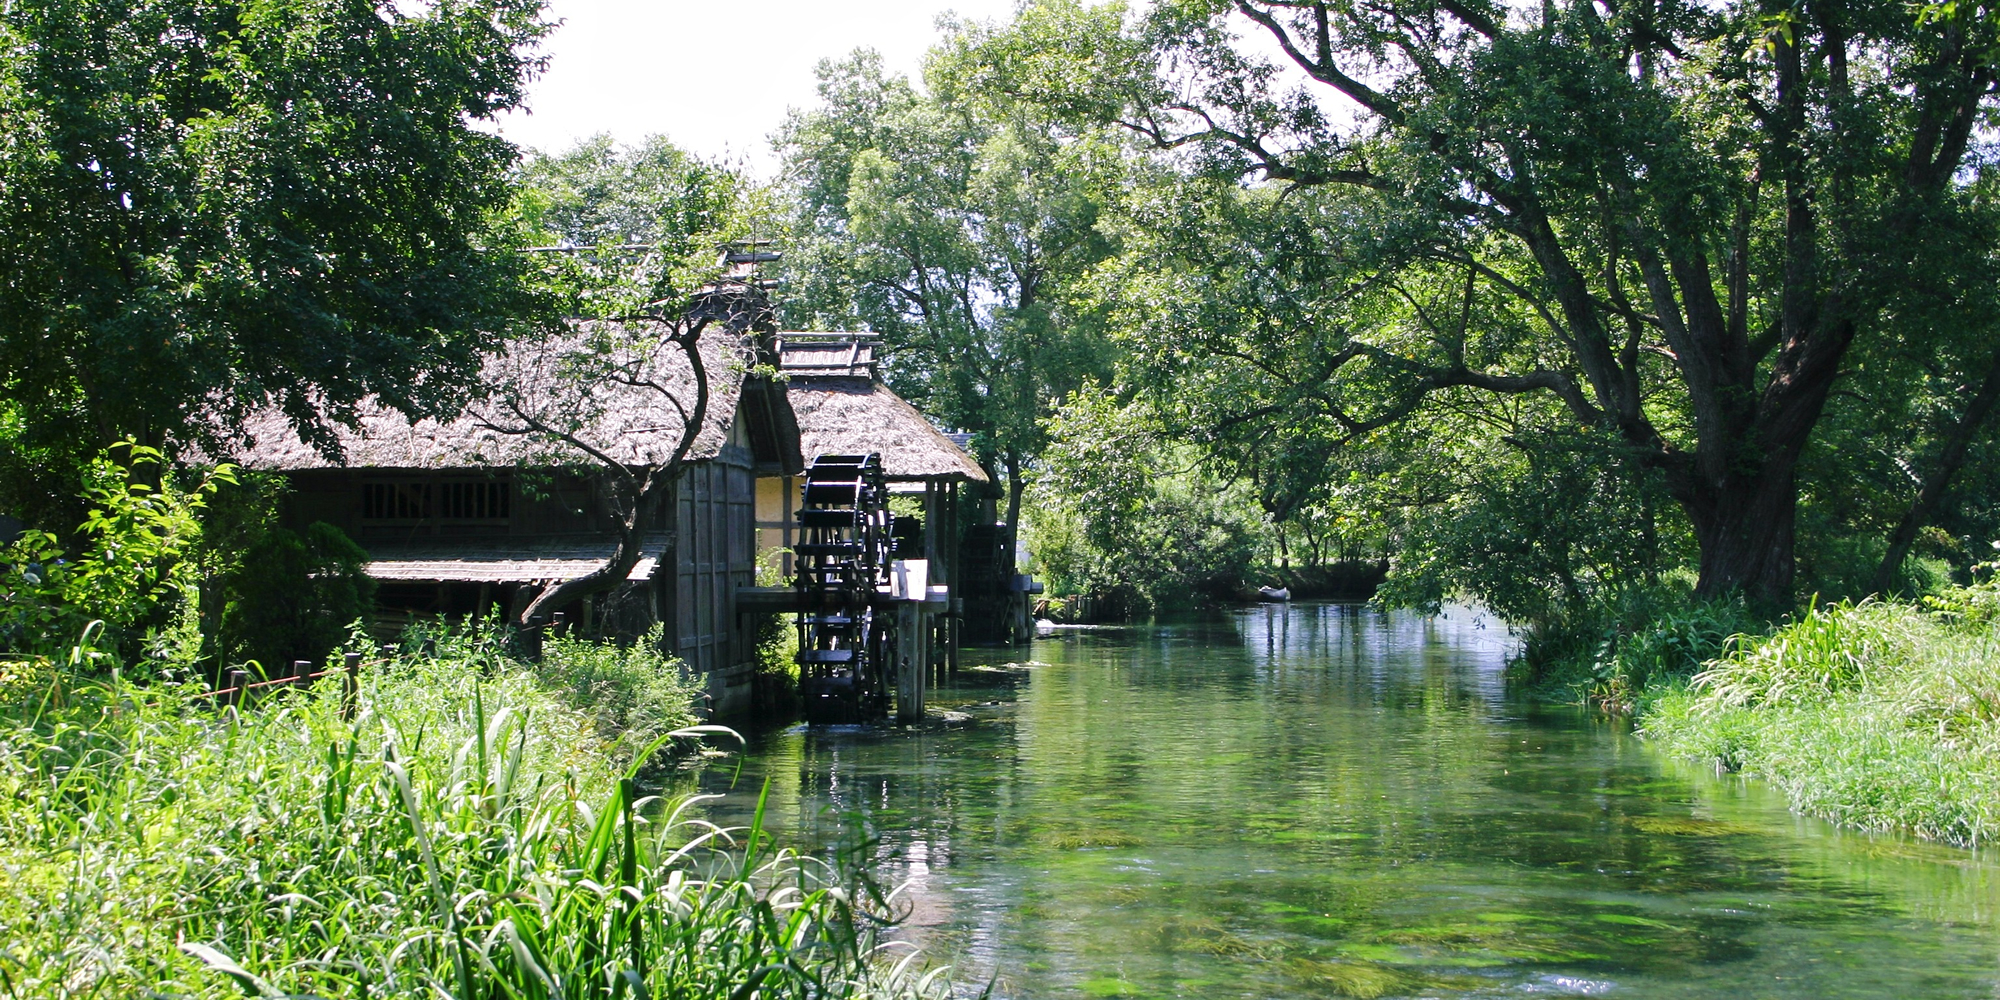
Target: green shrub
1555, 534
1664, 646
1125, 513
1609, 652
1878, 715
634, 694
1829, 650
1842, 568
774, 686
128, 569
294, 596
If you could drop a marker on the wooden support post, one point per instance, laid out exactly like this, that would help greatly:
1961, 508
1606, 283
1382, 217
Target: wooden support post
912, 660
302, 672
237, 683
350, 688
955, 612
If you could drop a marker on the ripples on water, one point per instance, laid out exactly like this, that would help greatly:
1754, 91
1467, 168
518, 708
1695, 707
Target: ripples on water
1327, 800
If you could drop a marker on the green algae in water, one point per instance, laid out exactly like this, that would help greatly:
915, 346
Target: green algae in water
1320, 797
1205, 936
1688, 826
1311, 836
1367, 980
1070, 840
1109, 986
1632, 921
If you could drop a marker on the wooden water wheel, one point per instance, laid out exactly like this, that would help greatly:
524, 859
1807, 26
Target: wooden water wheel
846, 639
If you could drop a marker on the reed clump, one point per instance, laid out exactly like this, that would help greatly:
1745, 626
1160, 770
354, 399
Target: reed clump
464, 834
1878, 715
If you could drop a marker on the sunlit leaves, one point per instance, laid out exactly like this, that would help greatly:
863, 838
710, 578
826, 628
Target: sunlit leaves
211, 207
958, 223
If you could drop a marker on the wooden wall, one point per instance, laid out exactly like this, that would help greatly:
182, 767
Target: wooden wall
544, 503
714, 553
714, 549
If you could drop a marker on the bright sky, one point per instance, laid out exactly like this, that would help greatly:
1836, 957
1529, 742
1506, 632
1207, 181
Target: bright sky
715, 78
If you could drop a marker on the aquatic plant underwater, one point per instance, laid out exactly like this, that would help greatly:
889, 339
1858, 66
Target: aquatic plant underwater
464, 834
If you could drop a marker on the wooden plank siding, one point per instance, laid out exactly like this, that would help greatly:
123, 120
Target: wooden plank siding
714, 553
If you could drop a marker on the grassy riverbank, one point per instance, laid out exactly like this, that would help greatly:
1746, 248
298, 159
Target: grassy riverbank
475, 831
1879, 716
1883, 715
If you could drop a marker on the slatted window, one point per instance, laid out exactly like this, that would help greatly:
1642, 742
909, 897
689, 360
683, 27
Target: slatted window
452, 500
395, 501
477, 500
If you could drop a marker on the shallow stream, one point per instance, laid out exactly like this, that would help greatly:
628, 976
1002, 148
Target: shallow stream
1328, 801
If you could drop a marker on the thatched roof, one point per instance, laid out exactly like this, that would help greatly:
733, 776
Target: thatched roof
582, 383
854, 416
476, 560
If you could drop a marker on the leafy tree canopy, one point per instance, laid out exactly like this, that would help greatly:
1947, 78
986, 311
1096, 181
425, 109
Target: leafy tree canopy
1673, 224
631, 235
959, 224
209, 206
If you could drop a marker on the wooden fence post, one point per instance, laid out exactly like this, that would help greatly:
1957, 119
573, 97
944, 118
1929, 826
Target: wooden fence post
301, 672
350, 692
237, 683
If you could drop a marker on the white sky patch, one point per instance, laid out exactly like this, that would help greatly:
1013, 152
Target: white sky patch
715, 78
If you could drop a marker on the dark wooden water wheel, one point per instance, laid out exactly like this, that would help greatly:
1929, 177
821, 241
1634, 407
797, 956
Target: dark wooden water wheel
846, 635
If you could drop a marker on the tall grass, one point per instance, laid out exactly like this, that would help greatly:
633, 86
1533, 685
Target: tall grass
633, 694
1879, 715
462, 836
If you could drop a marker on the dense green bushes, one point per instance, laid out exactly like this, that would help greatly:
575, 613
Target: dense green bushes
464, 836
1126, 516
1879, 715
633, 695
124, 579
1610, 652
293, 596
185, 572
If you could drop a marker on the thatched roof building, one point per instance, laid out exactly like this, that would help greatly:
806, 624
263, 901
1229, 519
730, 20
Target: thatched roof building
486, 510
854, 416
842, 409
583, 383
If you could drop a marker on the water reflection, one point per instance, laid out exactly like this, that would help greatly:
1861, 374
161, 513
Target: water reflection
1325, 800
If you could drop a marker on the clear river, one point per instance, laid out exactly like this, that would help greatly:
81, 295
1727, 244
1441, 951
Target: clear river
1324, 800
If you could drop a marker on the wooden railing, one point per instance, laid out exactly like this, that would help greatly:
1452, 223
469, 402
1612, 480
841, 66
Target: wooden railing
237, 687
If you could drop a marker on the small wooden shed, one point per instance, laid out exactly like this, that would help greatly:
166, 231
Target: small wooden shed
842, 408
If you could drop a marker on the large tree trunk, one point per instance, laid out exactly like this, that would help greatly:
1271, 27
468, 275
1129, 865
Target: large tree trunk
1745, 536
1740, 492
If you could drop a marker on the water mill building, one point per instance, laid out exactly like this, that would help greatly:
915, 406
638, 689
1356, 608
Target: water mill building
462, 519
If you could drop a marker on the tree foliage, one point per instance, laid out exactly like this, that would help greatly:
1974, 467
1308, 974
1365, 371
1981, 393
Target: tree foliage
210, 207
1676, 224
128, 588
959, 224
1127, 515
632, 237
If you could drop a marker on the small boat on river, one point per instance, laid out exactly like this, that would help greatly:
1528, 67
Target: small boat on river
1275, 593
